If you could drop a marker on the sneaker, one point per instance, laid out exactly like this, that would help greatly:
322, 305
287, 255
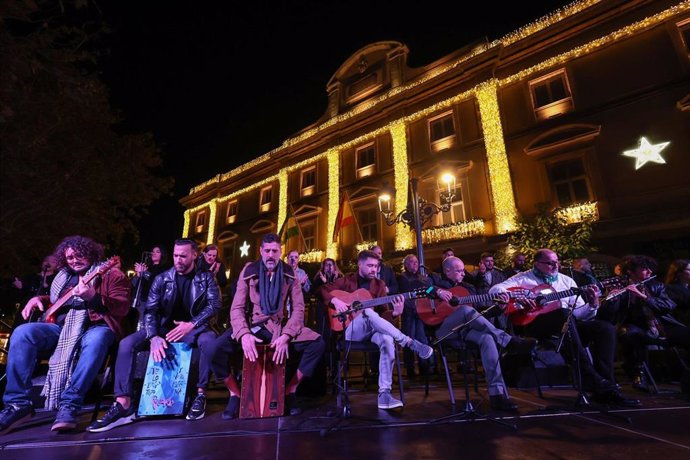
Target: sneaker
66, 418
387, 401
232, 410
501, 402
13, 415
422, 350
198, 409
115, 416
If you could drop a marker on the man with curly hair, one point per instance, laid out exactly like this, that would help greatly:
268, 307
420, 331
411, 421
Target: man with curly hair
85, 327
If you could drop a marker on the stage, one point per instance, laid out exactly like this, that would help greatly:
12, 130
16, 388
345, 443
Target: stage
658, 429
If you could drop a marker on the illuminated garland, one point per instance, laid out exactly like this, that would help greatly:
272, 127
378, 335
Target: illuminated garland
365, 245
213, 206
311, 256
454, 231
579, 212
282, 197
185, 227
497, 159
403, 236
333, 159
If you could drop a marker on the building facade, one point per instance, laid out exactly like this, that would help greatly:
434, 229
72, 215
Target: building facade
587, 109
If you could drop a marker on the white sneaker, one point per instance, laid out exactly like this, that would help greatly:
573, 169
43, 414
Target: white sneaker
387, 401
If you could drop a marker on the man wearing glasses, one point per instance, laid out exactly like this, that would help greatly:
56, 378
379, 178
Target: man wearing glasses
597, 377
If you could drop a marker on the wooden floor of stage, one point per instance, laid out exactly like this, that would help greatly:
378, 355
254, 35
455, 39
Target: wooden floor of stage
658, 429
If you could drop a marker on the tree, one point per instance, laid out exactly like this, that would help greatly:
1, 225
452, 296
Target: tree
548, 229
68, 167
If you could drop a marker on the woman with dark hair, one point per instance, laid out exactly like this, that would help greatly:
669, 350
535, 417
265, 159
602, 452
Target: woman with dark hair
328, 273
677, 286
155, 262
210, 262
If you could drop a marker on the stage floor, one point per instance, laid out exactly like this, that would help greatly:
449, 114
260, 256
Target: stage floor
658, 429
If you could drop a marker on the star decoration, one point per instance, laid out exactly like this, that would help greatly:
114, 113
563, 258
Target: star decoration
646, 152
244, 250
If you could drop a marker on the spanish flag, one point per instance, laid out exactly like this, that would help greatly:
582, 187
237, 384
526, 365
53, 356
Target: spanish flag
346, 217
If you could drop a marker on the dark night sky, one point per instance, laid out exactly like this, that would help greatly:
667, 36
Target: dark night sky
219, 83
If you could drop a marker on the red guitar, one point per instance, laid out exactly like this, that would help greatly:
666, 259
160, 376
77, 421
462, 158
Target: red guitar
50, 315
432, 312
361, 299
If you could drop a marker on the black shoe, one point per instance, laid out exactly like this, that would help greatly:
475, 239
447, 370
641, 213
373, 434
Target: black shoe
115, 416
232, 410
198, 409
13, 415
66, 418
518, 345
615, 398
291, 405
501, 402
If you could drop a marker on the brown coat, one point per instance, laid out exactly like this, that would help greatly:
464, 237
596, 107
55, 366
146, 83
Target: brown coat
248, 288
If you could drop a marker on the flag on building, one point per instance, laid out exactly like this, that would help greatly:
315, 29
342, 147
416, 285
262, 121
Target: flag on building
290, 233
345, 218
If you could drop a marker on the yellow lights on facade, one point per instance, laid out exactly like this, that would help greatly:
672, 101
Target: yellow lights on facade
647, 152
455, 231
213, 207
365, 245
312, 256
497, 159
187, 220
403, 236
580, 212
333, 160
244, 249
282, 197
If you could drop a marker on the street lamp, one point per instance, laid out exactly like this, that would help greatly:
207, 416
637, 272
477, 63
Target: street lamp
418, 210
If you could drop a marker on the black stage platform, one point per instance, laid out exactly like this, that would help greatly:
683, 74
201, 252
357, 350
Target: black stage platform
658, 429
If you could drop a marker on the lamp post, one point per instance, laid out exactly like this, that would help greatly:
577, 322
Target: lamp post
418, 210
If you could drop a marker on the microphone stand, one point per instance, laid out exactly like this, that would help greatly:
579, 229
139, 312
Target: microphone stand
469, 411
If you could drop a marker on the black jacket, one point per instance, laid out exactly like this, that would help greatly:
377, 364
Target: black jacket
628, 309
204, 295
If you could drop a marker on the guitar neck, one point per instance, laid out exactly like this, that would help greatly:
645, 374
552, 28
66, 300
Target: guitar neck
387, 299
472, 299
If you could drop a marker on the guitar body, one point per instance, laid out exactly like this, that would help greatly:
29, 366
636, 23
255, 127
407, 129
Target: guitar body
522, 316
263, 386
432, 312
351, 299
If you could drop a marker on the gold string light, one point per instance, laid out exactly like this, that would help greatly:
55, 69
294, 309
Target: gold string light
333, 161
311, 256
213, 206
403, 236
579, 212
454, 231
282, 197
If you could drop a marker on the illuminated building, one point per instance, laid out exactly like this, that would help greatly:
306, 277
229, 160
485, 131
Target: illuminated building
543, 114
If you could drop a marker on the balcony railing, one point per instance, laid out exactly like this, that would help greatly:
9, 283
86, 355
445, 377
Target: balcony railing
579, 212
454, 231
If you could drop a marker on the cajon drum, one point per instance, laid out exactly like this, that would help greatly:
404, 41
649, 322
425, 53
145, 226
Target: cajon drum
263, 386
165, 383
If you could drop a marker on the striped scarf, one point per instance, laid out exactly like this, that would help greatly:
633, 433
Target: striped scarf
61, 364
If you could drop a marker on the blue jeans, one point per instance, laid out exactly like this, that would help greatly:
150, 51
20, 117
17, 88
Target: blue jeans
34, 341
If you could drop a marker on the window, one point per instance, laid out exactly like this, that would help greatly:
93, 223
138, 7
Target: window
265, 199
684, 29
232, 212
368, 223
309, 233
457, 207
308, 181
442, 132
366, 161
200, 221
569, 182
551, 95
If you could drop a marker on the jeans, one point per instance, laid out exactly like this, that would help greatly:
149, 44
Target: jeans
413, 326
370, 326
481, 332
32, 341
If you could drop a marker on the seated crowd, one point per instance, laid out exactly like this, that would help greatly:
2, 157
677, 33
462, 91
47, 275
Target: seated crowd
90, 309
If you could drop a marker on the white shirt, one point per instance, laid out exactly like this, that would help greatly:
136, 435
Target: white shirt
528, 280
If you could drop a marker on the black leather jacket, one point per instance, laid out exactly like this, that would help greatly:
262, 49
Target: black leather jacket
158, 310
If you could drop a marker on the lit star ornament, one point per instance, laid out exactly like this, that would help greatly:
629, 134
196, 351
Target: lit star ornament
646, 152
244, 250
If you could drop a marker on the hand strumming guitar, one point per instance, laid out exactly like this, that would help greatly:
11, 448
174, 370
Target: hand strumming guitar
339, 305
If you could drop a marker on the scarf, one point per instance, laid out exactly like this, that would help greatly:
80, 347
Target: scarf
548, 279
61, 363
269, 288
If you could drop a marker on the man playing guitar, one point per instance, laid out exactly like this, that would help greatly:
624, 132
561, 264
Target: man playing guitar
91, 319
370, 325
481, 332
597, 377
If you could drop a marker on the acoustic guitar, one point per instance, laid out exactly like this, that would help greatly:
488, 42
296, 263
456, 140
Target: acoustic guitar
432, 312
361, 299
50, 315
